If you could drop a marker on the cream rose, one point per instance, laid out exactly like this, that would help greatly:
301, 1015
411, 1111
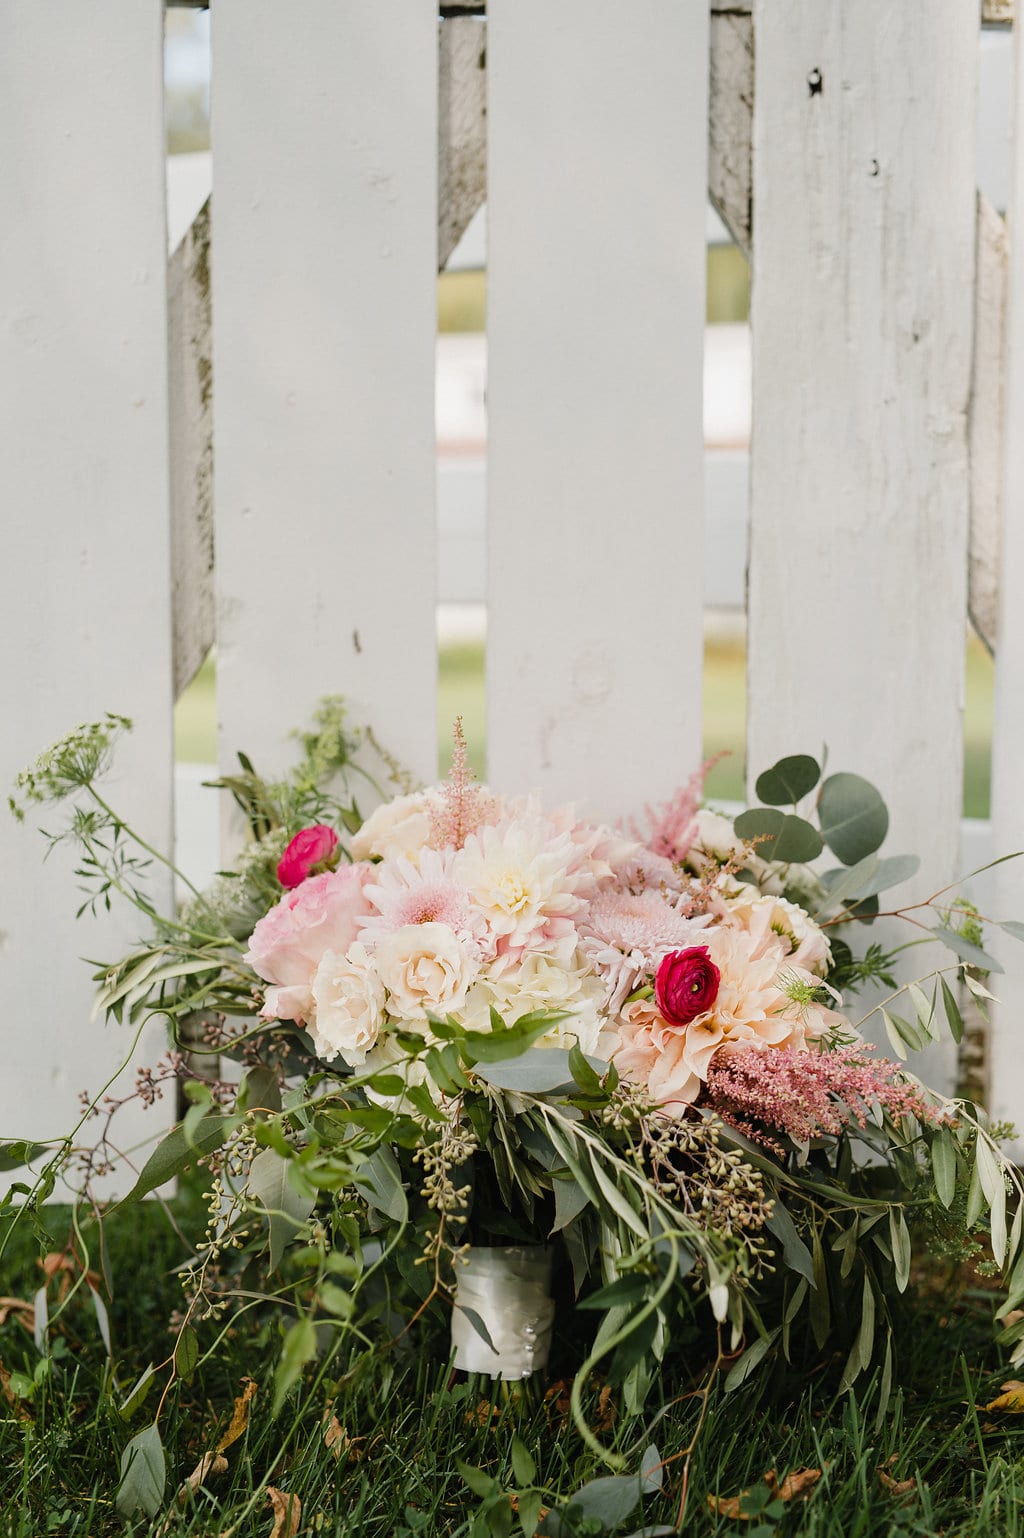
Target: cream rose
425, 970
401, 826
349, 1006
765, 918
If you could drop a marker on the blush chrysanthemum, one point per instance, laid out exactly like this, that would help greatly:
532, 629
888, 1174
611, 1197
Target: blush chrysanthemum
404, 893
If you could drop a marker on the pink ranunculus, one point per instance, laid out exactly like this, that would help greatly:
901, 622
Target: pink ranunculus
686, 984
323, 914
308, 849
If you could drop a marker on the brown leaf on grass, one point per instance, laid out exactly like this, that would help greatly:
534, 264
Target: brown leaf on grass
607, 1411
797, 1486
897, 1487
287, 1513
557, 1402
338, 1441
209, 1464
482, 1414
1011, 1318
24, 1312
1011, 1400
239, 1415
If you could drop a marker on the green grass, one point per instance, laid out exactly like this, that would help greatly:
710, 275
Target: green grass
408, 1423
461, 691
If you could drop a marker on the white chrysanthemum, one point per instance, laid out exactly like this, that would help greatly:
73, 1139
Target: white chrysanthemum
426, 970
625, 936
406, 893
520, 880
349, 1006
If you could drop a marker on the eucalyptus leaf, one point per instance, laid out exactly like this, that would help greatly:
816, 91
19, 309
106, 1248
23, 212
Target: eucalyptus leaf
186, 1353
286, 1209
1012, 927
299, 1347
779, 836
954, 1018
631, 1288
966, 949
477, 1322
179, 1150
943, 1157
14, 1155
788, 781
750, 1360
379, 1180
794, 1251
537, 1071
143, 1474
853, 817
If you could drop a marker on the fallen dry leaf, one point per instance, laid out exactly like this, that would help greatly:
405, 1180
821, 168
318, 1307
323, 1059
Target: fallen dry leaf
287, 1513
1011, 1400
898, 1487
209, 1463
24, 1312
338, 1441
604, 1420
239, 1415
797, 1486
1011, 1318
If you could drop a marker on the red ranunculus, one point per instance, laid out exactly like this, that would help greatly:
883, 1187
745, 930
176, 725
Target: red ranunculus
308, 849
686, 985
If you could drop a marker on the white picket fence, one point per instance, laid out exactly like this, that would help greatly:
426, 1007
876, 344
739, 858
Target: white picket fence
347, 141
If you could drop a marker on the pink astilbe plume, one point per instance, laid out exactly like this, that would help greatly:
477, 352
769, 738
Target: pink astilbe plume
673, 826
462, 806
806, 1095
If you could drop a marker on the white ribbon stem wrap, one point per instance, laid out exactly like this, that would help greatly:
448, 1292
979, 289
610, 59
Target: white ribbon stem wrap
508, 1289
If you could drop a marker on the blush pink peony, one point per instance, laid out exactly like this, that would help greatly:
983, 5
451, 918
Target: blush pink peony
322, 914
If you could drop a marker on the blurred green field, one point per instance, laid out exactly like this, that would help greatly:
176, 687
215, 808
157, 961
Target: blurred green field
461, 692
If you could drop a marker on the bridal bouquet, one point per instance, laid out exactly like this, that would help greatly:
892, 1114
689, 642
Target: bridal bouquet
480, 1037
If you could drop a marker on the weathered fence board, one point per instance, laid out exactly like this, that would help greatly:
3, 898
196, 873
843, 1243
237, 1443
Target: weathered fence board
83, 487
324, 267
597, 185
1007, 1060
863, 268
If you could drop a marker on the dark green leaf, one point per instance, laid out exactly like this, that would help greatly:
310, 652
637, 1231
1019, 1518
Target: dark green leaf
625, 1289
478, 1323
497, 1045
143, 1474
788, 780
750, 1360
794, 1251
299, 1348
379, 1180
259, 1089
523, 1466
588, 1080
136, 1396
14, 1155
186, 1353
286, 1209
779, 835
480, 1483
953, 1015
853, 817
176, 1153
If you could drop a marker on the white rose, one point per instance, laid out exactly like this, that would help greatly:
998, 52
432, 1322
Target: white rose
401, 826
349, 999
425, 970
